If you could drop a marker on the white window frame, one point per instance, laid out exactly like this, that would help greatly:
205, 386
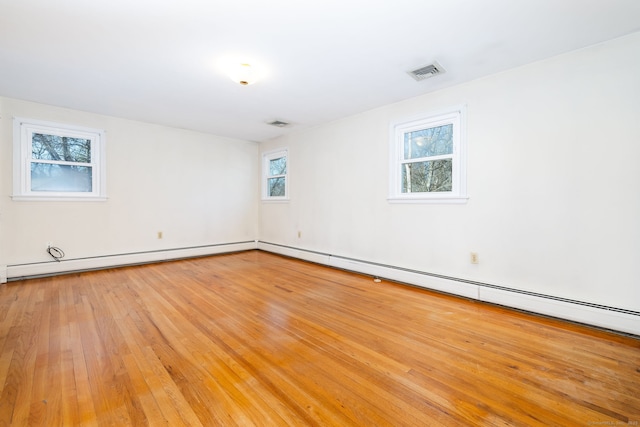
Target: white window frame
455, 116
266, 158
24, 128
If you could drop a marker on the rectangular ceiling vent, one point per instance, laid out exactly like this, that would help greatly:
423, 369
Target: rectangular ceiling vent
427, 71
278, 123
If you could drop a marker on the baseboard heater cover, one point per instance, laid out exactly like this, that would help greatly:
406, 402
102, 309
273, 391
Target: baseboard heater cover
603, 317
32, 270
621, 320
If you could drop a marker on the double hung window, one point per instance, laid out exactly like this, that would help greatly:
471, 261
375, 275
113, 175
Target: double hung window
275, 177
428, 158
58, 162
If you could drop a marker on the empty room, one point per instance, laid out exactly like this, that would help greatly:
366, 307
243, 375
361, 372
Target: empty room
305, 213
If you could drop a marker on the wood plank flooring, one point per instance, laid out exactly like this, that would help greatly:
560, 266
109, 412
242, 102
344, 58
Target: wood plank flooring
256, 339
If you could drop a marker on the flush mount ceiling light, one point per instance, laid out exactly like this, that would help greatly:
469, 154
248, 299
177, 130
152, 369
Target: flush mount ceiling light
243, 74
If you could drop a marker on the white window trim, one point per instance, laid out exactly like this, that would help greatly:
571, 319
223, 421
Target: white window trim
23, 128
455, 115
267, 156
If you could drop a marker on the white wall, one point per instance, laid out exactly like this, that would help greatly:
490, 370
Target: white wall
553, 180
197, 189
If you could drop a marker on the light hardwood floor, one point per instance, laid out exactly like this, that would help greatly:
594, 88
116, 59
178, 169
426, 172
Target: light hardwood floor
256, 339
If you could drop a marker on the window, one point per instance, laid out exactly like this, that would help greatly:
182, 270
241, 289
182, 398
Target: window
54, 161
275, 185
428, 158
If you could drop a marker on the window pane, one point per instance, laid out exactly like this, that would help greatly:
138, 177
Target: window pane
278, 166
62, 148
429, 142
48, 177
427, 177
276, 187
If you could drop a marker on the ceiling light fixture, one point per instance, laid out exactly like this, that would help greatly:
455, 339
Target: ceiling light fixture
243, 74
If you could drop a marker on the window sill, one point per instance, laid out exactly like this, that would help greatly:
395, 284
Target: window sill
24, 198
443, 199
280, 200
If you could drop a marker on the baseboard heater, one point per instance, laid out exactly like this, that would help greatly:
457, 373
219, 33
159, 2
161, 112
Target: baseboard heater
612, 318
65, 266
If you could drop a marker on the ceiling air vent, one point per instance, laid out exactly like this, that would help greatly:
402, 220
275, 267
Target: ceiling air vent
278, 123
427, 71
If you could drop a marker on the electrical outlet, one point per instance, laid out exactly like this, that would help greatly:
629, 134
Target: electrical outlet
474, 258
299, 234
159, 234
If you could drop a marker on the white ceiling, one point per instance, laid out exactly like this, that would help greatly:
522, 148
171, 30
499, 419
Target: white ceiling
159, 61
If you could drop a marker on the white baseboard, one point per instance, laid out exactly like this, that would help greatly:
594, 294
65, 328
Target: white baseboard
596, 316
296, 253
3, 274
430, 282
603, 317
95, 263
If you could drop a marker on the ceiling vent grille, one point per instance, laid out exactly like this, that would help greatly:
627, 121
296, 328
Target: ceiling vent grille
278, 123
427, 71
